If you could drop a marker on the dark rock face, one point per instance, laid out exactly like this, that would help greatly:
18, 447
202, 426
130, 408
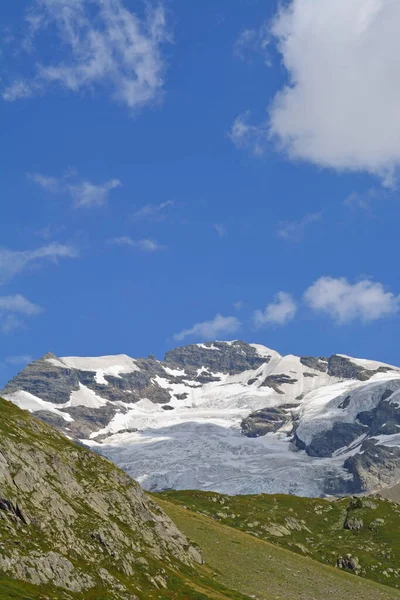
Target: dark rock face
43, 379
275, 381
318, 364
204, 378
342, 367
375, 464
343, 405
51, 418
341, 435
219, 357
384, 419
265, 421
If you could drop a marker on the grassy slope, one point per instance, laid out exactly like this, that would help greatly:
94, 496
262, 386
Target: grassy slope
20, 428
313, 527
265, 571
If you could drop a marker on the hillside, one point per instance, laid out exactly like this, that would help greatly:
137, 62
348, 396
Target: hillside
73, 526
230, 417
360, 535
265, 571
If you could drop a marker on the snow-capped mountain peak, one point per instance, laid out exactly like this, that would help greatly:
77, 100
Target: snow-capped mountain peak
227, 416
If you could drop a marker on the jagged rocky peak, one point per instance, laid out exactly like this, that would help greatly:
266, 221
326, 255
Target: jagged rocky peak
221, 357
71, 519
228, 416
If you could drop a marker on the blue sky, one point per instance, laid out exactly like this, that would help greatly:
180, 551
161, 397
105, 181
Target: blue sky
199, 170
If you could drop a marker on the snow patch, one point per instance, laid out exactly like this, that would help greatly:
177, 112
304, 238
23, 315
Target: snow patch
102, 365
265, 352
32, 403
175, 372
85, 397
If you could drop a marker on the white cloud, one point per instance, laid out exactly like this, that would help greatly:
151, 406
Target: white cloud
105, 44
253, 40
18, 304
146, 245
294, 230
15, 261
12, 308
279, 312
344, 302
340, 107
84, 194
153, 212
210, 330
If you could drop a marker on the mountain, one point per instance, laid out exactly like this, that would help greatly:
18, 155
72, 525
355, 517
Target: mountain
231, 417
75, 527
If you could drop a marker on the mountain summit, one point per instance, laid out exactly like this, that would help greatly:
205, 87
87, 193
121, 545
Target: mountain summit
230, 417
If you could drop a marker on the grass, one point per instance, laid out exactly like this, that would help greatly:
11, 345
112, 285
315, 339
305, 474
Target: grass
264, 571
312, 527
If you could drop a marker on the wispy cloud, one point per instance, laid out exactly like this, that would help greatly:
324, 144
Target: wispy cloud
252, 41
220, 229
340, 59
279, 312
146, 245
84, 194
13, 310
13, 262
243, 134
238, 305
364, 201
104, 44
153, 212
294, 230
22, 359
345, 302
51, 184
210, 330
50, 231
